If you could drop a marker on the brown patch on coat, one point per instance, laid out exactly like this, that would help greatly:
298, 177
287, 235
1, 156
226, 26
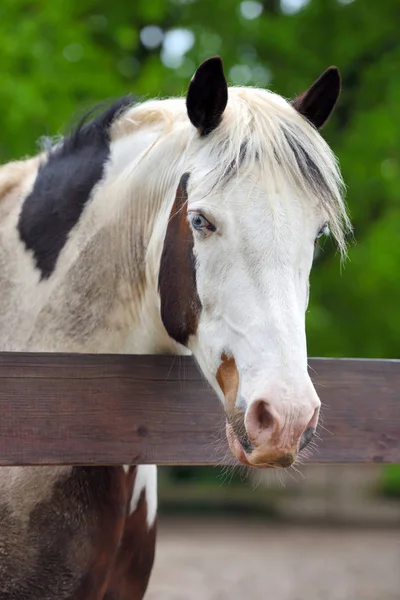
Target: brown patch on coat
106, 521
66, 547
135, 557
228, 380
180, 303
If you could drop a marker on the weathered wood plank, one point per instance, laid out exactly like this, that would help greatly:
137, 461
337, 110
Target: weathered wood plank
84, 409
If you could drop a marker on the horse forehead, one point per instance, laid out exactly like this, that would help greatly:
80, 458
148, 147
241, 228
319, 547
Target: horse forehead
251, 217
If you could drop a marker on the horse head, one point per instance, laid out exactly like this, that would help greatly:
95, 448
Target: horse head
261, 186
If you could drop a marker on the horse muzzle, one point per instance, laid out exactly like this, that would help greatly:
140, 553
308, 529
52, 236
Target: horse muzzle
264, 437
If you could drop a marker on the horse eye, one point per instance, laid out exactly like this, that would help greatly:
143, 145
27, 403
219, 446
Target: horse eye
323, 231
200, 223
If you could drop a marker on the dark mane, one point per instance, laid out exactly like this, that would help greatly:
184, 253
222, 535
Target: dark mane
64, 184
307, 167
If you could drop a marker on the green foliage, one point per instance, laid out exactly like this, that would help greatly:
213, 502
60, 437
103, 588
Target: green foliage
391, 481
58, 58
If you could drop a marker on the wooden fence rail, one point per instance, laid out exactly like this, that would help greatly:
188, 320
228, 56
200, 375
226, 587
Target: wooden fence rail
101, 409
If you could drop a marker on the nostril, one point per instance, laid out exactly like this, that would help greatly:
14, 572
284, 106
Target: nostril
309, 431
306, 438
264, 416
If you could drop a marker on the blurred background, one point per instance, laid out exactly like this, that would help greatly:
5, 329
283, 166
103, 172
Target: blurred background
325, 532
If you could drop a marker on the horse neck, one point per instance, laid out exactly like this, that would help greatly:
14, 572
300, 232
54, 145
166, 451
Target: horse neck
122, 236
103, 294
147, 184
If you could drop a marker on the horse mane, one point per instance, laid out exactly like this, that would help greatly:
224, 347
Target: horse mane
89, 129
258, 126
64, 184
14, 172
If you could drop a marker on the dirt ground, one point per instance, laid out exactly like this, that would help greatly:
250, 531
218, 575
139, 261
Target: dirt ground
214, 559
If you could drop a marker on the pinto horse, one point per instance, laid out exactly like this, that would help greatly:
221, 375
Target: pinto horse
163, 227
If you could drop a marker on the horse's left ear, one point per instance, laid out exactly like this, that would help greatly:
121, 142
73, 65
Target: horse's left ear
318, 102
207, 95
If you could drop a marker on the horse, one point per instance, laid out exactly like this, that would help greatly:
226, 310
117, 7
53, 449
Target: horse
182, 226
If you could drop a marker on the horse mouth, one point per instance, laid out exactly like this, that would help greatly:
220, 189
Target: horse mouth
242, 448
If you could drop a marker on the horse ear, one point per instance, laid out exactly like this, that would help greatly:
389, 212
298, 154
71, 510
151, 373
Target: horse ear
318, 102
207, 95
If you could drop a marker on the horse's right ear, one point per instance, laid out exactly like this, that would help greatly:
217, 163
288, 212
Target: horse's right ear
207, 95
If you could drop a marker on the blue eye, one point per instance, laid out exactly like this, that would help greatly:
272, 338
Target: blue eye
200, 223
323, 231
